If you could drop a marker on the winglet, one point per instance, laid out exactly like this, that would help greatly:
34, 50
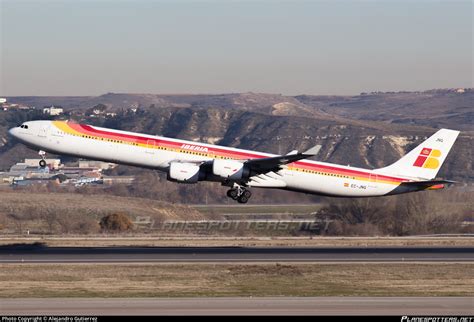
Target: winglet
313, 151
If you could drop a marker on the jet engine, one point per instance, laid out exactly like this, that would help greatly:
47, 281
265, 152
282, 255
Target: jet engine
230, 169
184, 172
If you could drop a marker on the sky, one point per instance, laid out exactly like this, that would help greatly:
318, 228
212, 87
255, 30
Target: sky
91, 47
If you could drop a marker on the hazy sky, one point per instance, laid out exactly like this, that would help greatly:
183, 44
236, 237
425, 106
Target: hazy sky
290, 47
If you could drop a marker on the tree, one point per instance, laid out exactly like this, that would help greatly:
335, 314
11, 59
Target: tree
356, 210
50, 217
116, 223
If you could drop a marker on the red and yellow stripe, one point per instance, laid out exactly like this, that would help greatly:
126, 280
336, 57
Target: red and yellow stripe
90, 132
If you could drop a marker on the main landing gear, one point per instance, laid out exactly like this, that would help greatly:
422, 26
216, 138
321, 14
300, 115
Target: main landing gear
239, 193
42, 162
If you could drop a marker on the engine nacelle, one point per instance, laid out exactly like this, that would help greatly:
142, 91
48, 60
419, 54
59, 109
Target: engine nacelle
229, 169
183, 172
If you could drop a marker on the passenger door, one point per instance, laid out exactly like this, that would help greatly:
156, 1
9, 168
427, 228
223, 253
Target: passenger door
373, 180
150, 147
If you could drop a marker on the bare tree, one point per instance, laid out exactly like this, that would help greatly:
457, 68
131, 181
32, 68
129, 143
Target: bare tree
357, 210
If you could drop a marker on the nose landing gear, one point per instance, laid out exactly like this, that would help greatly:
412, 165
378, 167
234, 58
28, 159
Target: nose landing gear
239, 193
42, 162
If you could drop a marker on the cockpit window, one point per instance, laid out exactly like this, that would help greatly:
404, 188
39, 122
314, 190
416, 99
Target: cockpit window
24, 126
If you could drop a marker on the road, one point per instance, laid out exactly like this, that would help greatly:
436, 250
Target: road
44, 254
244, 306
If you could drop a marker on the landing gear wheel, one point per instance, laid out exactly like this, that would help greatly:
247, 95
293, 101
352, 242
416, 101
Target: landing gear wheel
247, 194
243, 199
232, 193
42, 163
239, 193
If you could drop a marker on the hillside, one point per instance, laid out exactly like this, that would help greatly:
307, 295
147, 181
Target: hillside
436, 108
433, 108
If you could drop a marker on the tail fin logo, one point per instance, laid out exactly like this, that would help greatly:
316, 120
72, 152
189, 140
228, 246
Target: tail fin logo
428, 158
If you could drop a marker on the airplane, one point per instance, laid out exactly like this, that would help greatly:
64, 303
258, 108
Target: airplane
190, 162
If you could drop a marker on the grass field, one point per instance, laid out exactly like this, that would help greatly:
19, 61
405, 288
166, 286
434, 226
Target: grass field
179, 280
54, 213
33, 204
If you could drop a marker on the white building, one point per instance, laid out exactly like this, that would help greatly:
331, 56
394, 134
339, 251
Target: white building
96, 164
3, 100
53, 111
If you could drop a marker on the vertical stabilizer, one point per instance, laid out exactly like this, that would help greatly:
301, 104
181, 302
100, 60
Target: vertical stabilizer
426, 159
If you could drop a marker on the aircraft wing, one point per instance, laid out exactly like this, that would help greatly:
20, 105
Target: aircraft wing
274, 163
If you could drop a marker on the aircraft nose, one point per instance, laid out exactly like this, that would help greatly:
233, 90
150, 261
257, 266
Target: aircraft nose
13, 132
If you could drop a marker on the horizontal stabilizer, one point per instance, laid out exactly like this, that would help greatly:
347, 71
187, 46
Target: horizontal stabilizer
428, 184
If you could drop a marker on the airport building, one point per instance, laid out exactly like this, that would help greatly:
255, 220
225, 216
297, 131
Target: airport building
96, 164
53, 111
86, 172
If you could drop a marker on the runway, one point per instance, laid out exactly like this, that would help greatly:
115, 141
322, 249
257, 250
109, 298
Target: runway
243, 306
43, 254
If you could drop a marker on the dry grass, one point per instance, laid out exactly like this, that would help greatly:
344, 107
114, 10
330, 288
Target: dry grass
187, 241
98, 204
173, 280
93, 205
249, 209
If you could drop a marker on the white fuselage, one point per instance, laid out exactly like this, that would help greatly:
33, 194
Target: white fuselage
157, 152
